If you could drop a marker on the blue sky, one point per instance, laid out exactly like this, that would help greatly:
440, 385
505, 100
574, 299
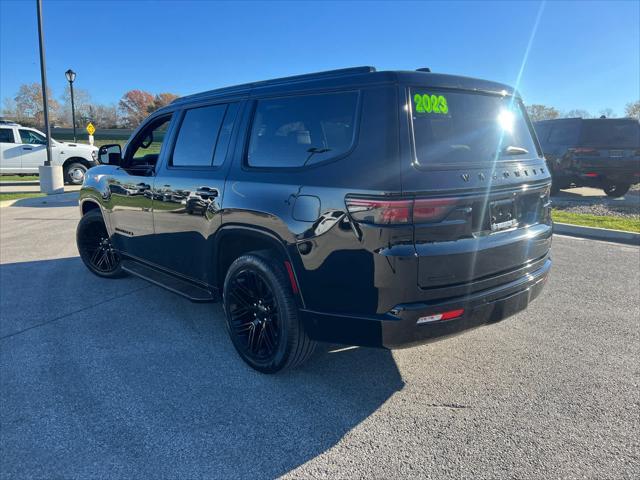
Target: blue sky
584, 55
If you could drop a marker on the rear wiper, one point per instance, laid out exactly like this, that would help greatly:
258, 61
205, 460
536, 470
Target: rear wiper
313, 150
511, 150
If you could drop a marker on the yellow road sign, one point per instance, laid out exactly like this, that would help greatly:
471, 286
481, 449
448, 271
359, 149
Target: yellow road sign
91, 129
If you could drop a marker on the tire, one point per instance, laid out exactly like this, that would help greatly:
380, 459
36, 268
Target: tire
616, 190
94, 245
256, 285
74, 173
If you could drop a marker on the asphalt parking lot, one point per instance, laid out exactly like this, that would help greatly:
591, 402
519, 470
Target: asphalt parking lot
118, 378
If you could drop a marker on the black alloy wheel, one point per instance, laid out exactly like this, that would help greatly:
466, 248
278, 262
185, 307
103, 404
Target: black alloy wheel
253, 312
262, 314
95, 246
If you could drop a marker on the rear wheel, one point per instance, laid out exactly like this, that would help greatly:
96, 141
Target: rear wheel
616, 190
262, 316
94, 245
74, 173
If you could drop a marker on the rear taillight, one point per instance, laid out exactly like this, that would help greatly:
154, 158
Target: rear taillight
585, 151
380, 212
432, 210
591, 174
393, 212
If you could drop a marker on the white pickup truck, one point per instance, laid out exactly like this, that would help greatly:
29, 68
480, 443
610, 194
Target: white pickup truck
23, 150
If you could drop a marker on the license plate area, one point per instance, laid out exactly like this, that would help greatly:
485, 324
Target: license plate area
616, 153
502, 215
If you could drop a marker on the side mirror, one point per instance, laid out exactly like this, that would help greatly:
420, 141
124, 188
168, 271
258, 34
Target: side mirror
110, 154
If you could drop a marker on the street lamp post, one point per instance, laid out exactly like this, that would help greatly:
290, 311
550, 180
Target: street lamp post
43, 74
71, 76
51, 180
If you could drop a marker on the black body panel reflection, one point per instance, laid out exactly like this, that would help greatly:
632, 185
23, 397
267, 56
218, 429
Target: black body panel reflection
352, 271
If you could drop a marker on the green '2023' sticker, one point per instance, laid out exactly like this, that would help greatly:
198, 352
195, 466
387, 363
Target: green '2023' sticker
426, 103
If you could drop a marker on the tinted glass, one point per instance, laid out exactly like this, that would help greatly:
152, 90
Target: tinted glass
465, 128
611, 133
564, 133
146, 146
299, 131
6, 135
542, 131
33, 138
196, 143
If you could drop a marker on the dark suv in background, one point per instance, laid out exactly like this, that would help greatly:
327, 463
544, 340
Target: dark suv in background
352, 206
602, 153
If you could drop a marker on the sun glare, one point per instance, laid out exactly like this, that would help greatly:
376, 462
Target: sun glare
506, 119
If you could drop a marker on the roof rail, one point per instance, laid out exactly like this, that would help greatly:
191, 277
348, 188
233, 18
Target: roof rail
276, 81
310, 76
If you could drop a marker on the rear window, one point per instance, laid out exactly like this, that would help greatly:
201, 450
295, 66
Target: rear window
542, 131
610, 133
302, 130
452, 128
564, 133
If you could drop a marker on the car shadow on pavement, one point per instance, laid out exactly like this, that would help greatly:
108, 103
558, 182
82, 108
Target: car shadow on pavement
117, 378
67, 199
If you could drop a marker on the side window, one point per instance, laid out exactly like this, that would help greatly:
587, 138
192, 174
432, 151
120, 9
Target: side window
565, 133
6, 135
302, 130
31, 137
204, 136
145, 148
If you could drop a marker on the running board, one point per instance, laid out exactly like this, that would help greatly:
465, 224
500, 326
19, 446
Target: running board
187, 289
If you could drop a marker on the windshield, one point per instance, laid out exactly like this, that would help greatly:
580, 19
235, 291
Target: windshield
611, 133
468, 128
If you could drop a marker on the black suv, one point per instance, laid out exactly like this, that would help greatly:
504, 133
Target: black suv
602, 153
357, 207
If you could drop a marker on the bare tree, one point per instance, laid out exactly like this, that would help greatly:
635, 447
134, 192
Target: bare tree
542, 112
105, 116
83, 105
9, 108
633, 109
29, 109
577, 113
608, 113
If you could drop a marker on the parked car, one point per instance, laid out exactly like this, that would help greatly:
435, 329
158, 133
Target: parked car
24, 149
353, 206
601, 153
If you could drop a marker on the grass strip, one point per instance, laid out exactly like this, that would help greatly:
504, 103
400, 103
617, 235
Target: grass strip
587, 220
17, 196
18, 178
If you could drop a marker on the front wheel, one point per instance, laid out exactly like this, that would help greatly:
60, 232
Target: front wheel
74, 173
262, 315
94, 245
616, 190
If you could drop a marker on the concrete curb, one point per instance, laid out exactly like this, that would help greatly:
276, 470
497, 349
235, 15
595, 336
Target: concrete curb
594, 233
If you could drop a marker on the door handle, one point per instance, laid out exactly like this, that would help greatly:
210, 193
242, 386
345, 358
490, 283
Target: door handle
27, 148
207, 192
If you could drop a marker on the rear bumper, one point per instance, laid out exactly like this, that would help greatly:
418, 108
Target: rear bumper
598, 175
399, 327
